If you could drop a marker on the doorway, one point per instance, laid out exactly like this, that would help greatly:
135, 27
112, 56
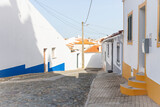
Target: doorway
45, 60
142, 33
112, 58
77, 60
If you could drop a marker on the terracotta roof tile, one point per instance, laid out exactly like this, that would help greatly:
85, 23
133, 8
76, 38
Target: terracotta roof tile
94, 48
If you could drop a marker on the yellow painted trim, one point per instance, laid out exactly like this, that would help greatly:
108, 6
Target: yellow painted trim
132, 92
130, 42
153, 90
137, 84
158, 42
123, 38
142, 5
140, 77
139, 7
145, 34
126, 71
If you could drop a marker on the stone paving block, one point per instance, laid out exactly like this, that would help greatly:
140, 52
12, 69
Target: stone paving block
105, 92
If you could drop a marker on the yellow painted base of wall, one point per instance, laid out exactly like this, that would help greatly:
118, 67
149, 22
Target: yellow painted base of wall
126, 71
153, 90
137, 84
140, 77
134, 87
132, 92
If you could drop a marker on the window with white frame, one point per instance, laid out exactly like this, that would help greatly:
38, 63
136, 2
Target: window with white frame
118, 53
53, 53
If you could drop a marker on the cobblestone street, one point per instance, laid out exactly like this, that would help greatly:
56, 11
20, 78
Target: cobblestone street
46, 90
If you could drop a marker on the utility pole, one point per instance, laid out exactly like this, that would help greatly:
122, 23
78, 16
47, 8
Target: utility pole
82, 45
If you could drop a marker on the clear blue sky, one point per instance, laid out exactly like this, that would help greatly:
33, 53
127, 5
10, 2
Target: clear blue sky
66, 16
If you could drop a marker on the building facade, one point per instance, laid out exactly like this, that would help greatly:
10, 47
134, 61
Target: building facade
29, 44
112, 52
141, 48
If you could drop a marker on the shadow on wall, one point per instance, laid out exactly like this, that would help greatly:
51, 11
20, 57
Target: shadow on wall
18, 43
94, 60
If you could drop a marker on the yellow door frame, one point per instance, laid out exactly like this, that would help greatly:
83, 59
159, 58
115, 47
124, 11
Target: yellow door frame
139, 7
158, 43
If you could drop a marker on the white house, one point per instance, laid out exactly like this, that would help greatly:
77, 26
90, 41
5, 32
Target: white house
141, 48
29, 44
112, 52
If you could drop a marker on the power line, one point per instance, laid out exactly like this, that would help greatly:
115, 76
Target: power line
102, 27
60, 13
93, 30
88, 12
64, 22
69, 24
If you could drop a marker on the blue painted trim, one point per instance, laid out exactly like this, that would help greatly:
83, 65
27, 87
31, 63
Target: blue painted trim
20, 70
60, 67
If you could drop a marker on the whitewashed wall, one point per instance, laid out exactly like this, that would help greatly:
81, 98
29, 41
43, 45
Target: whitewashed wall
106, 62
109, 57
131, 50
116, 41
152, 59
91, 60
25, 33
104, 50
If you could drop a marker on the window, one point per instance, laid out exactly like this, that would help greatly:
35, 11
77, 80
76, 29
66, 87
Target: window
53, 53
130, 27
118, 53
108, 50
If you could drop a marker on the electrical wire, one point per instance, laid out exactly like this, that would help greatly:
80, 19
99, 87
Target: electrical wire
88, 12
64, 22
59, 13
67, 23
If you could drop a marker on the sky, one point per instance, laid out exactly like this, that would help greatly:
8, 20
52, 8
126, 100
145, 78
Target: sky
66, 16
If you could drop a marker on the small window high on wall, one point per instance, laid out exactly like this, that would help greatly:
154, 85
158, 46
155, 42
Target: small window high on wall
130, 23
53, 53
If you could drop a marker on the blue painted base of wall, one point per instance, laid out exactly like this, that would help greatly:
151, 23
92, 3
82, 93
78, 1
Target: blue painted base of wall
20, 70
60, 67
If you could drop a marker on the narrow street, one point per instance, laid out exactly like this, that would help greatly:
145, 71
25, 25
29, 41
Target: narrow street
63, 89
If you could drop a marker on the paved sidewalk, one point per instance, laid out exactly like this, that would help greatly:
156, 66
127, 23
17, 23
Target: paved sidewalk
105, 92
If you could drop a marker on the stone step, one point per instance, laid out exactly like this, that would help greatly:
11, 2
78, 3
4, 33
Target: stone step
132, 91
140, 76
136, 83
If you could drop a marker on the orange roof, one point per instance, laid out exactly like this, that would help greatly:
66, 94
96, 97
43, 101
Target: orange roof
94, 48
86, 41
